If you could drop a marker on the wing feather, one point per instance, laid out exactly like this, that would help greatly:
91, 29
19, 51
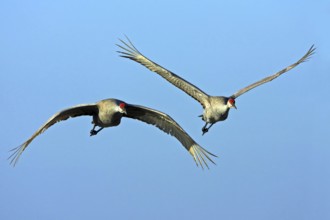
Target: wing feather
130, 52
79, 110
165, 123
309, 53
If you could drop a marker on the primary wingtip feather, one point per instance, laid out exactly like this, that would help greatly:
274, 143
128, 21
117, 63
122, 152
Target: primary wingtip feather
16, 153
130, 48
309, 54
201, 156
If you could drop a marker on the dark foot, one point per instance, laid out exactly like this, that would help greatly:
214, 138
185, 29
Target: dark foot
93, 132
204, 130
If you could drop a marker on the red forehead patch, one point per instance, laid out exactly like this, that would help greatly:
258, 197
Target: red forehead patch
231, 101
122, 105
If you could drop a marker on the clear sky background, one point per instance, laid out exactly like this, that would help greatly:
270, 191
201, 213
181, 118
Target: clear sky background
273, 151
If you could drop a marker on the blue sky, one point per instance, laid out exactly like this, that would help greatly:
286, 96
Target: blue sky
273, 151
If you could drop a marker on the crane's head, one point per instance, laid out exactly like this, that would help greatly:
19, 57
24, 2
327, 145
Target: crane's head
122, 108
231, 103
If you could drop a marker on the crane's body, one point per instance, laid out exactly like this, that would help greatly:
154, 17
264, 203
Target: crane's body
216, 108
109, 112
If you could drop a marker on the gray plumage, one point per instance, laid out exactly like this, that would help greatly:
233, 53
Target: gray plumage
216, 108
109, 112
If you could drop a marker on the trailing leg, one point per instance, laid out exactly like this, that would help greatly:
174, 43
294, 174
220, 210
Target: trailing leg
94, 132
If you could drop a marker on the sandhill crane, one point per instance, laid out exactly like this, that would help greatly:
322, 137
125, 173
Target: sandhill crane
216, 108
109, 112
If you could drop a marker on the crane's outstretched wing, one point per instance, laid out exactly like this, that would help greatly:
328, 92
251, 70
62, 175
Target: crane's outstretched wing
165, 123
309, 53
132, 53
79, 110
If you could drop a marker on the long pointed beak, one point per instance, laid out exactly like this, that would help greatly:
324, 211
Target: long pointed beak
235, 106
